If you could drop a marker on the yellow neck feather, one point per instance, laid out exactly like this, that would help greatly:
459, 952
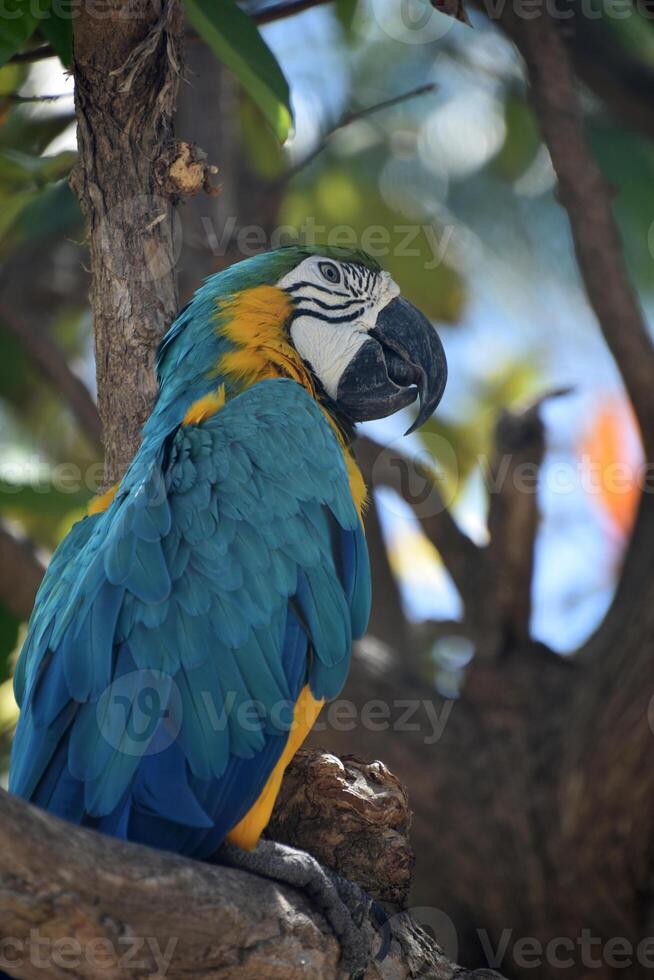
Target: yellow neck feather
254, 321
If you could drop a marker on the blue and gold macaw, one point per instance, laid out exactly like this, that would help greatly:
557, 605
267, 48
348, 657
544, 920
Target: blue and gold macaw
190, 628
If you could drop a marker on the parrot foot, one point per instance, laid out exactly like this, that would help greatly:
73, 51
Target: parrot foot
343, 903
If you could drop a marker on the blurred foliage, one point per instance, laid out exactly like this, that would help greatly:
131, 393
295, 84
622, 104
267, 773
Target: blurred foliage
408, 250
236, 41
58, 29
628, 163
611, 454
521, 143
263, 150
18, 23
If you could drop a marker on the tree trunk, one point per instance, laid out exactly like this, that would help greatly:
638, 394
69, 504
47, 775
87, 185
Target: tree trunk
126, 66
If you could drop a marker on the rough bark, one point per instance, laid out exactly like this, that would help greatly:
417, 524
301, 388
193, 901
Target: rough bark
352, 816
126, 66
76, 902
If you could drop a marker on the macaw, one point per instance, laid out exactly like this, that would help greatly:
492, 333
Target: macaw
190, 628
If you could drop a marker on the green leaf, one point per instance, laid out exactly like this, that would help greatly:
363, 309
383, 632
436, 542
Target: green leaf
521, 142
9, 626
32, 133
235, 39
264, 153
19, 169
18, 21
11, 79
345, 11
10, 210
58, 30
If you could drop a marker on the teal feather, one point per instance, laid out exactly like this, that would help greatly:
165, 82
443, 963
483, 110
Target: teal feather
189, 582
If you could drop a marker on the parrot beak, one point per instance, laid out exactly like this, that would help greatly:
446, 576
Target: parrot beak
402, 360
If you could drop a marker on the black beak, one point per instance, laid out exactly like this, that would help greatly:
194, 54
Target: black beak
403, 359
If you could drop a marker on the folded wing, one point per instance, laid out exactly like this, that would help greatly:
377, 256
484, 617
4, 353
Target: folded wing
173, 634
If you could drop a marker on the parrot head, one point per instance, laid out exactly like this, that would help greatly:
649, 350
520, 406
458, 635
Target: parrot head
328, 317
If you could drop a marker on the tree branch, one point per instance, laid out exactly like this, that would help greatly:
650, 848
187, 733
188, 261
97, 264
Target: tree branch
387, 619
21, 571
513, 519
624, 83
52, 364
33, 54
72, 900
587, 198
280, 11
460, 555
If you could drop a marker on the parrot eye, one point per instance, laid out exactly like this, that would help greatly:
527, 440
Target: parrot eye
329, 272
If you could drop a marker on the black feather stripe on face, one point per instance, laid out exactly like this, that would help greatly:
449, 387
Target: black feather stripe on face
356, 290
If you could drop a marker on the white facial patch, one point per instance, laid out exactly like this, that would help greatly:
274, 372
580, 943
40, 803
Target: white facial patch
336, 305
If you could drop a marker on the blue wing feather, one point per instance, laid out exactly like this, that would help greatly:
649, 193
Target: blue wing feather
230, 570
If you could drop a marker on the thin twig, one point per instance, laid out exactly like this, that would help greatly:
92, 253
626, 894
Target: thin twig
20, 99
351, 117
52, 364
34, 54
282, 10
